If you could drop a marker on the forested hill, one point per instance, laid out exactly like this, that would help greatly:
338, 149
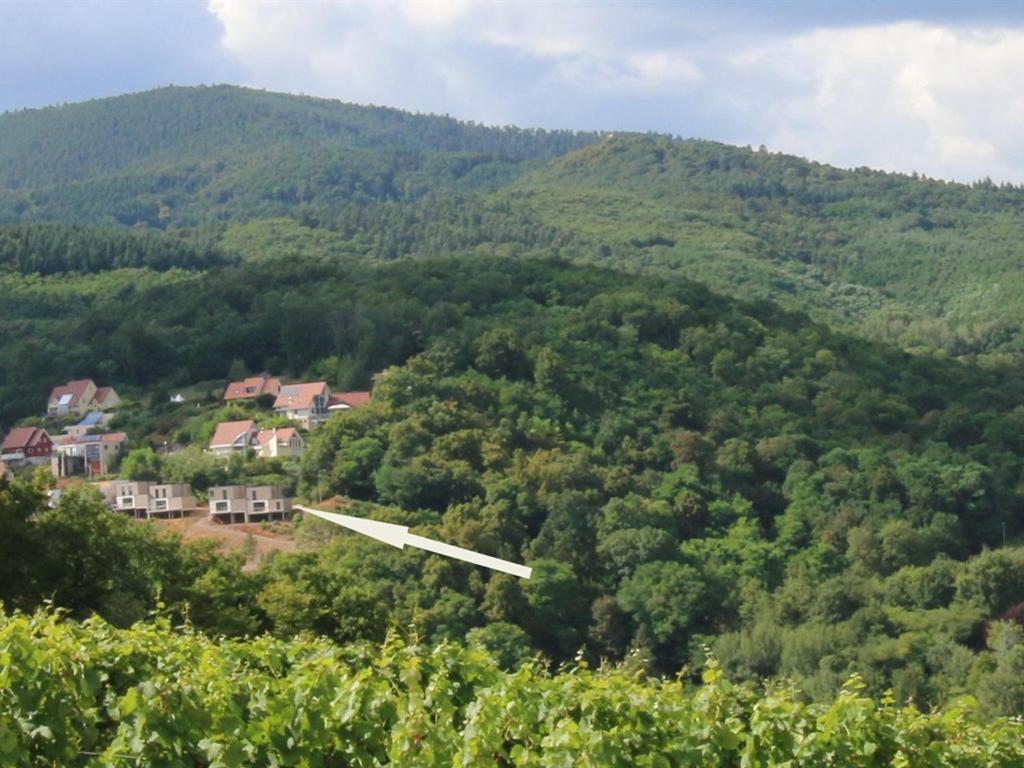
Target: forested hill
176, 125
925, 264
684, 467
180, 156
680, 469
921, 262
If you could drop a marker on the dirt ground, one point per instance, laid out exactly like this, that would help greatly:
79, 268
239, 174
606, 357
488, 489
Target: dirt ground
274, 537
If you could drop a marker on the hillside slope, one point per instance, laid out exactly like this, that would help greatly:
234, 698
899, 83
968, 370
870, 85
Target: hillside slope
171, 155
680, 468
926, 264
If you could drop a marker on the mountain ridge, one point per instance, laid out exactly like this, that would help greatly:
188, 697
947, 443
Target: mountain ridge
252, 116
926, 264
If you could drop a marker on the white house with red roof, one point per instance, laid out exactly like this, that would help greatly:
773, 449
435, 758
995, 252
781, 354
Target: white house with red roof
304, 403
284, 441
233, 437
26, 445
80, 396
252, 387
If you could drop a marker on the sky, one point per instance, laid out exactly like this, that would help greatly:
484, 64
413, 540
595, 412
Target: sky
932, 87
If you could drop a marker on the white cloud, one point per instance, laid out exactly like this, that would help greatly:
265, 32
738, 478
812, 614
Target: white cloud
451, 56
906, 96
940, 99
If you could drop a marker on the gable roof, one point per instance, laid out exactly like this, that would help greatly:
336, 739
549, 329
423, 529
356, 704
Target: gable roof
283, 435
71, 393
103, 394
298, 397
343, 400
20, 438
254, 386
228, 433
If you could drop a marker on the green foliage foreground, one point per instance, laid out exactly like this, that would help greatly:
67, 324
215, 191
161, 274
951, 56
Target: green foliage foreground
90, 694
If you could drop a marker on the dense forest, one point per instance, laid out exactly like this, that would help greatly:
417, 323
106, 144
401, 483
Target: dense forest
186, 155
922, 263
681, 469
741, 412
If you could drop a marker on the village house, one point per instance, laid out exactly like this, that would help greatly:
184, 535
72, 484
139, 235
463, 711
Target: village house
87, 454
80, 396
171, 500
26, 445
133, 498
252, 504
344, 401
284, 441
252, 387
266, 502
233, 437
305, 404
146, 500
94, 420
227, 503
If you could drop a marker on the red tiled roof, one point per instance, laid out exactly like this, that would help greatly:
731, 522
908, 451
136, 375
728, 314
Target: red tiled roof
254, 386
351, 399
227, 432
299, 397
102, 393
23, 437
284, 435
74, 388
113, 437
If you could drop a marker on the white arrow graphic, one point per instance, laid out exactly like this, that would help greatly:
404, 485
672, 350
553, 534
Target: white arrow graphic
399, 536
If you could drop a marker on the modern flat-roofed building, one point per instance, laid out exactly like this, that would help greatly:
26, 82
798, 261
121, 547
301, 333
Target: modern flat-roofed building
145, 500
171, 500
266, 502
132, 498
248, 504
228, 503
